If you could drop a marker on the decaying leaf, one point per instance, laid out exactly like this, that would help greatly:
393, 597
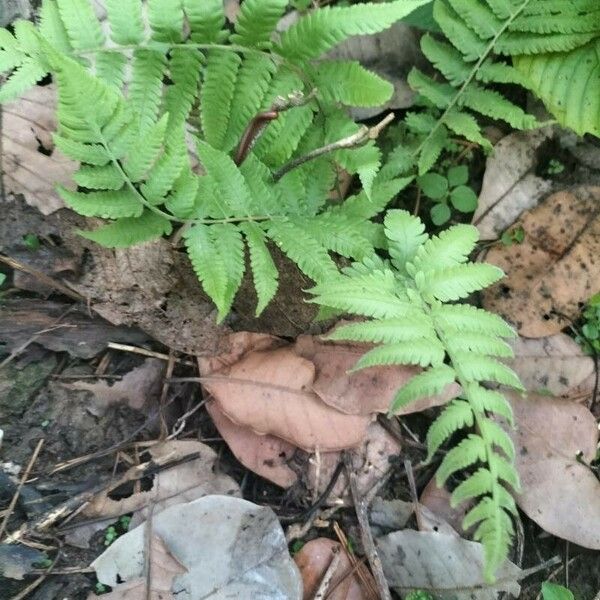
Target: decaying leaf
389, 515
137, 388
180, 484
371, 461
557, 267
444, 565
229, 547
362, 392
438, 513
31, 165
17, 560
313, 560
270, 392
554, 364
553, 440
162, 569
265, 455
510, 184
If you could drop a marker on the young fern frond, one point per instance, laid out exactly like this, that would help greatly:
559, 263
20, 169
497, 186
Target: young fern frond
412, 323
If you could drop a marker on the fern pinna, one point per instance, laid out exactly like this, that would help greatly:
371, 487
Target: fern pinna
161, 86
554, 47
412, 319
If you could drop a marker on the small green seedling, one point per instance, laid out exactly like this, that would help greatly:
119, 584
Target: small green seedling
297, 545
555, 167
116, 530
31, 241
589, 338
516, 235
553, 591
419, 595
447, 190
100, 589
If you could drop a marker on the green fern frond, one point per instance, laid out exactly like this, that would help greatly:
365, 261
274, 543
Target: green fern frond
82, 25
52, 28
25, 76
319, 31
125, 20
166, 20
433, 333
256, 22
184, 71
206, 20
107, 177
182, 199
264, 271
92, 154
147, 150
145, 92
130, 231
106, 205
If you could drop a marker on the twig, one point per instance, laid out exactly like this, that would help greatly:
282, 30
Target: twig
164, 432
17, 493
45, 279
366, 535
181, 422
362, 136
325, 584
413, 491
149, 353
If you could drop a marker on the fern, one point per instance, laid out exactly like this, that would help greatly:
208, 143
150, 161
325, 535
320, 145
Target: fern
411, 323
554, 50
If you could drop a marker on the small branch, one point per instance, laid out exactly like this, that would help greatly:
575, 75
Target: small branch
325, 584
366, 535
362, 136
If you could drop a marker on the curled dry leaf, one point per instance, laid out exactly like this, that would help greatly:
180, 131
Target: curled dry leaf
161, 571
444, 565
510, 184
361, 392
556, 364
438, 514
371, 462
313, 560
137, 389
180, 484
229, 547
559, 492
270, 392
32, 166
556, 268
265, 455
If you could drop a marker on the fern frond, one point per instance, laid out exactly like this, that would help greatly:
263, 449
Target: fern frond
424, 352
480, 343
107, 177
82, 25
350, 83
130, 231
406, 236
467, 452
458, 318
52, 28
206, 20
182, 199
259, 181
429, 383
166, 20
145, 92
184, 71
256, 22
455, 283
125, 20
478, 484
483, 400
93, 154
264, 271
217, 93
319, 31
457, 415
164, 174
476, 367
310, 256
107, 205
387, 331
24, 77
146, 151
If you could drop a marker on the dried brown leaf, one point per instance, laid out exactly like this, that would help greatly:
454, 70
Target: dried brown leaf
182, 483
559, 492
556, 267
313, 560
270, 392
555, 363
510, 184
27, 127
362, 392
265, 455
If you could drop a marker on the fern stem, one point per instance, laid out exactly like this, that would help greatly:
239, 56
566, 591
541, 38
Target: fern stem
472, 74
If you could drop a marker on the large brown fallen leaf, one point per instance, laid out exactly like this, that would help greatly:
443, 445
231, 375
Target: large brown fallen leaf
27, 127
559, 493
444, 565
361, 392
557, 267
555, 364
180, 484
229, 547
270, 392
162, 569
510, 184
313, 560
265, 455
